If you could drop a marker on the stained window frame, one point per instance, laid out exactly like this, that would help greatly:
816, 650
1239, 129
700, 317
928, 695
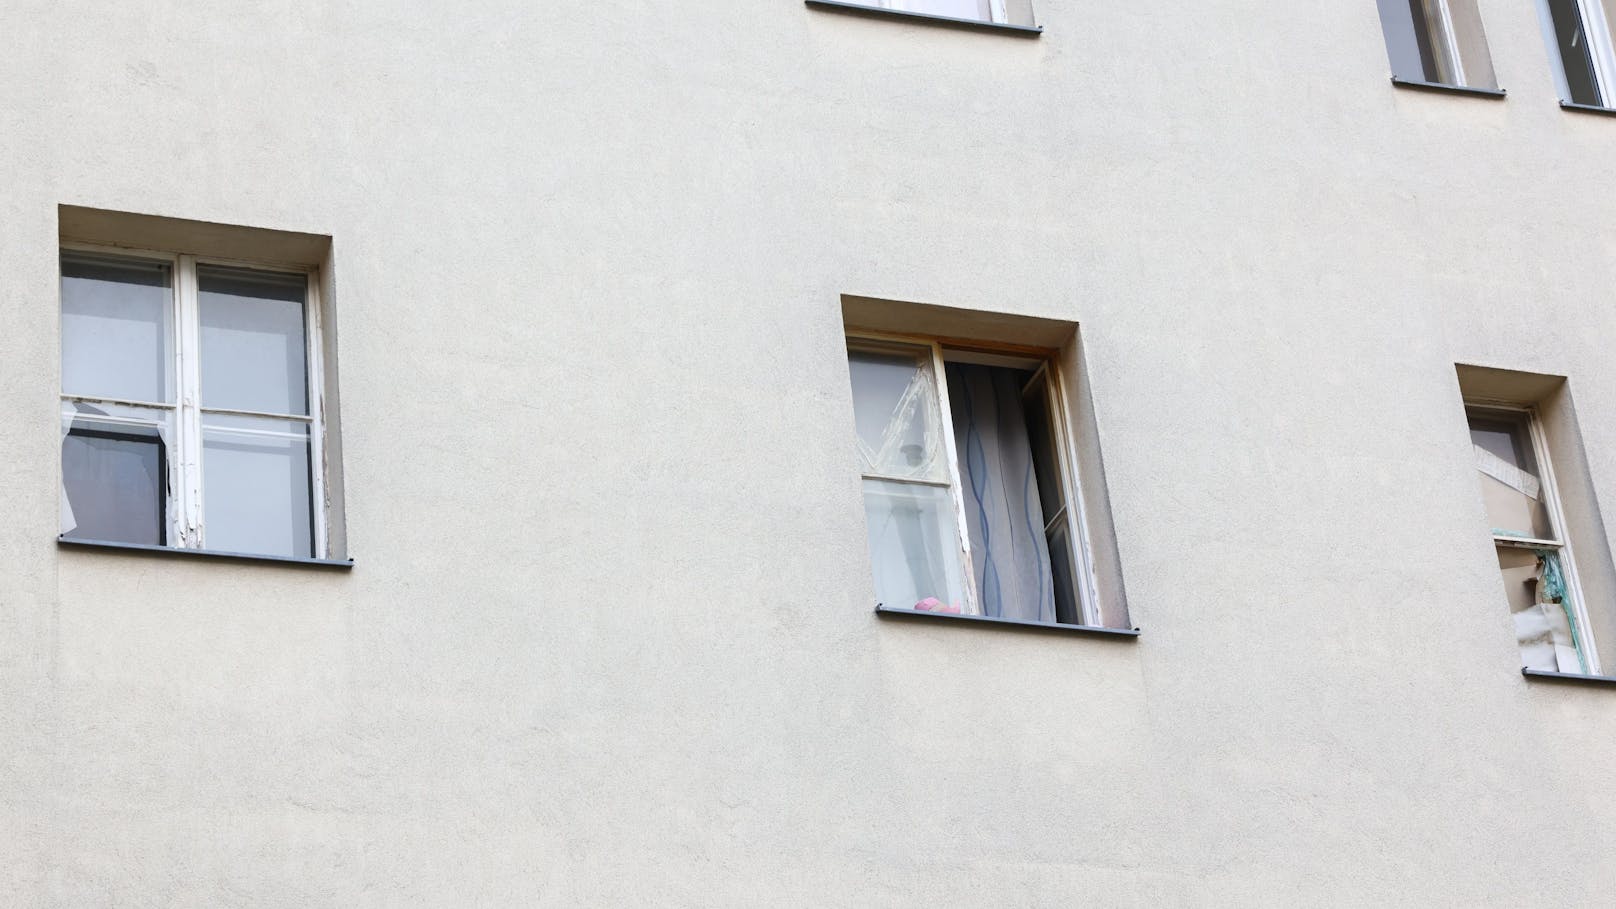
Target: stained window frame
184, 499
1085, 584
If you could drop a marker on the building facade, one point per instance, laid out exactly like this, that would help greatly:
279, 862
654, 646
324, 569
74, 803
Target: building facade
575, 601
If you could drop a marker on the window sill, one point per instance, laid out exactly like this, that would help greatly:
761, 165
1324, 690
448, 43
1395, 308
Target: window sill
1588, 108
991, 621
142, 549
859, 9
1496, 94
1569, 677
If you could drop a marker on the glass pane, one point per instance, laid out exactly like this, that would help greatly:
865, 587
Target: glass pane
1041, 436
1540, 602
115, 473
957, 9
117, 328
256, 485
1508, 472
1576, 57
914, 546
1061, 565
897, 414
253, 346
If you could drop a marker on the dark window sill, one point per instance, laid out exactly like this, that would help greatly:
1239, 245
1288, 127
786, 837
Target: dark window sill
992, 622
859, 9
142, 549
1494, 93
1588, 108
1568, 677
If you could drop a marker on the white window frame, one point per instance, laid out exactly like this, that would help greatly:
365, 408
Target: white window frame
1597, 29
1450, 44
184, 504
1086, 585
1550, 493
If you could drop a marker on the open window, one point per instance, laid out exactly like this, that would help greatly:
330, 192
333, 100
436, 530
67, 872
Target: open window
1523, 509
969, 484
1437, 42
1581, 38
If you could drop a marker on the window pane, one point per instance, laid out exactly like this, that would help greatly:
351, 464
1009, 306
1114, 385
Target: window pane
914, 546
1508, 471
958, 9
1576, 57
253, 342
898, 418
115, 473
1540, 602
117, 328
1439, 41
255, 485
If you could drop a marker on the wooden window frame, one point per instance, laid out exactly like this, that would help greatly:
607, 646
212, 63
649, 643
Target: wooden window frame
184, 505
1088, 596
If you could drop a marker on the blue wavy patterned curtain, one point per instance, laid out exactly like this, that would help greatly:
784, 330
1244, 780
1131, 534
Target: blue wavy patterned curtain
1009, 558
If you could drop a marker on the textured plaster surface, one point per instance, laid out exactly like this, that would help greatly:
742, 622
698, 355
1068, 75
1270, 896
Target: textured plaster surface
609, 638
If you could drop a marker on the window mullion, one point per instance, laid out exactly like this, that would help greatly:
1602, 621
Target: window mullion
954, 483
189, 416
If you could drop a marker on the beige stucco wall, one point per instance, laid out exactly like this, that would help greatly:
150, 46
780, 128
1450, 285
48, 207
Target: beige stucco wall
609, 638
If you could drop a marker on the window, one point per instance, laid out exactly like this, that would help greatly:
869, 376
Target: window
1580, 35
190, 404
1009, 12
968, 482
1437, 42
1540, 581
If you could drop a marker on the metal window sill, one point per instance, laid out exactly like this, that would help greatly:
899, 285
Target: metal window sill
1588, 108
1496, 94
1569, 677
995, 622
143, 549
859, 9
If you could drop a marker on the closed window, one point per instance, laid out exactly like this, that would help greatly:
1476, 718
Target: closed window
1580, 36
190, 404
1534, 558
1437, 42
968, 482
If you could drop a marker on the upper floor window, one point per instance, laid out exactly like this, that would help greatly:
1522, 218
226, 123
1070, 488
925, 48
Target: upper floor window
1008, 12
1437, 42
190, 404
1581, 36
1528, 531
968, 482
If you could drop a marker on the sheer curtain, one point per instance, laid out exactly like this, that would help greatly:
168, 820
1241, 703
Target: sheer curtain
1009, 556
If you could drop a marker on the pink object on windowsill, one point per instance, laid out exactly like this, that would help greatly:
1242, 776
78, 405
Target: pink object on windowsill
932, 604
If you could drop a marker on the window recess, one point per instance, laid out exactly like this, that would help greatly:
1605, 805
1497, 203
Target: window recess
191, 404
1534, 559
1437, 43
969, 482
1580, 37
